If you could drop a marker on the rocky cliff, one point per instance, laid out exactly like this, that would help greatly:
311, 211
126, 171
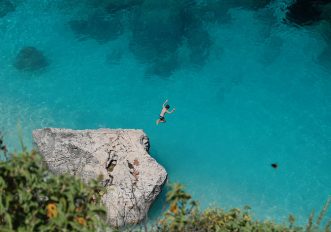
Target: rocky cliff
133, 179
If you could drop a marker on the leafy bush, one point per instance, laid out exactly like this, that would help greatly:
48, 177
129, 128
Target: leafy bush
183, 214
32, 199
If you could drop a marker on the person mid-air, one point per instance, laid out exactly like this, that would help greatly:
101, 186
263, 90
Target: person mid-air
165, 110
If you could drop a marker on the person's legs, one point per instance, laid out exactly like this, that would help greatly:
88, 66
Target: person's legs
161, 119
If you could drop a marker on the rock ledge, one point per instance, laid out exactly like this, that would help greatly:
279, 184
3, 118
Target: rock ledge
133, 179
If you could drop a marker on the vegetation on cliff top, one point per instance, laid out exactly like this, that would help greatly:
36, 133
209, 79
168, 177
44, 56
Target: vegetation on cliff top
183, 214
32, 199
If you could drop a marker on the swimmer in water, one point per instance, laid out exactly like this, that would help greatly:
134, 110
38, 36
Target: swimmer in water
165, 110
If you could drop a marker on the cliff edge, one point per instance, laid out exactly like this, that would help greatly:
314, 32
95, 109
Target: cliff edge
133, 179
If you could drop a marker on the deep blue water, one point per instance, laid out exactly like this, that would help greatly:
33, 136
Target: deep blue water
249, 90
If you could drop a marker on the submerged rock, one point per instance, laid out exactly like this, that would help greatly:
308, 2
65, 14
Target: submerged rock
324, 57
251, 4
6, 6
30, 59
114, 57
149, 27
177, 23
113, 6
163, 66
98, 27
305, 12
199, 42
133, 179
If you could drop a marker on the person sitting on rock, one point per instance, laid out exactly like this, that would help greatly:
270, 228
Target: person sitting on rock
165, 110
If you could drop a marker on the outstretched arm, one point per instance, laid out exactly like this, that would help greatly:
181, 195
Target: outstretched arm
170, 112
165, 103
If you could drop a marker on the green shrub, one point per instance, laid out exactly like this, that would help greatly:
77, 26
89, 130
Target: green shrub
183, 214
32, 199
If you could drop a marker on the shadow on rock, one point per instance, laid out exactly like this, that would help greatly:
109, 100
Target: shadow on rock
30, 59
97, 27
6, 7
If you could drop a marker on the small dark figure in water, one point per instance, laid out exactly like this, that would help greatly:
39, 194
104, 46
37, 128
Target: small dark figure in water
274, 165
165, 110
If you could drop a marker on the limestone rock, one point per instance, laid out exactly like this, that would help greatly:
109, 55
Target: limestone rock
133, 179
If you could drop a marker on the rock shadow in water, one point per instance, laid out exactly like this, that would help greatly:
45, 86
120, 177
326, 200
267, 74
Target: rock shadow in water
271, 50
318, 14
97, 27
307, 12
30, 59
217, 11
114, 56
160, 29
197, 38
156, 36
115, 6
199, 42
250, 4
163, 66
6, 7
324, 58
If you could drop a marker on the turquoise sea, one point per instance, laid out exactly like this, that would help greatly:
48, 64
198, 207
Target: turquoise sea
249, 90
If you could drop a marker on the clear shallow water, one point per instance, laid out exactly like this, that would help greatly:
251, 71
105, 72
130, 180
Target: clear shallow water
262, 96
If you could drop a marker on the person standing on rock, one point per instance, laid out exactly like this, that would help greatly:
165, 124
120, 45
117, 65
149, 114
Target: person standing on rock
165, 110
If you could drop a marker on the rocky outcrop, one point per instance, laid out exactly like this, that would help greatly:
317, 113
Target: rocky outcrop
133, 179
30, 59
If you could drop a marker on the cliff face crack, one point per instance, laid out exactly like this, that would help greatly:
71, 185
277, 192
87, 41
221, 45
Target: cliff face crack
133, 179
135, 200
134, 172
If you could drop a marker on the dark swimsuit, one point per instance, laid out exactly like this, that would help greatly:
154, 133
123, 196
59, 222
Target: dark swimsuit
162, 118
